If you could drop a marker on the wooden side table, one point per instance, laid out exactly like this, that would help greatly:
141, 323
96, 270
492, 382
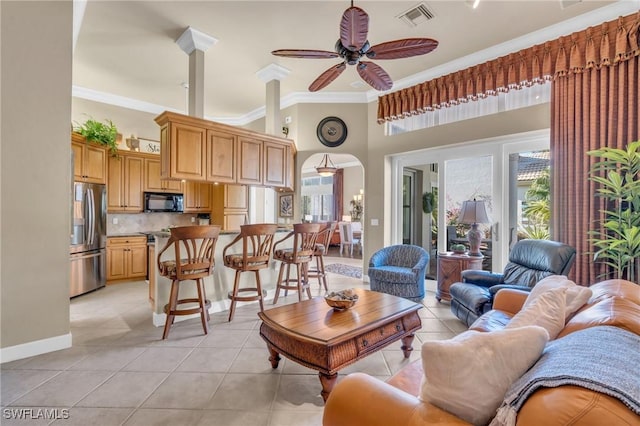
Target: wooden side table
450, 267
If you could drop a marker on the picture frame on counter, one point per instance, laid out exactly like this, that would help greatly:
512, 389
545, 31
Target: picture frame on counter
286, 205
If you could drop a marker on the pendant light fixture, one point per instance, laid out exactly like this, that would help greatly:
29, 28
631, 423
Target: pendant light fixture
326, 167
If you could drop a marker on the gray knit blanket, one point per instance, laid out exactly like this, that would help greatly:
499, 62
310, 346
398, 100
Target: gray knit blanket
604, 359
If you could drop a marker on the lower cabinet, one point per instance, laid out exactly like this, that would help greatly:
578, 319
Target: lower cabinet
126, 258
230, 206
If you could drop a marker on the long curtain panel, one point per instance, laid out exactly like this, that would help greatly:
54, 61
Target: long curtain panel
590, 110
595, 79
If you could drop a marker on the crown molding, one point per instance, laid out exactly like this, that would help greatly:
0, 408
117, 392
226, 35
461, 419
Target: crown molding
272, 72
578, 23
192, 39
606, 13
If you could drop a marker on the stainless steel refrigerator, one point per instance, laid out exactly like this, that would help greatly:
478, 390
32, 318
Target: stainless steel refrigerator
88, 238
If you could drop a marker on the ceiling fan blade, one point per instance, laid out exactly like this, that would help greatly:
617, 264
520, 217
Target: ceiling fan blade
354, 27
304, 53
374, 75
404, 48
327, 77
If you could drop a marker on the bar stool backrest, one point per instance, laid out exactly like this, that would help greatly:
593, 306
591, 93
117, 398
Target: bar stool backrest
194, 246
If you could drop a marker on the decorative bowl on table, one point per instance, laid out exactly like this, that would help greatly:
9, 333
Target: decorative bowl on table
341, 300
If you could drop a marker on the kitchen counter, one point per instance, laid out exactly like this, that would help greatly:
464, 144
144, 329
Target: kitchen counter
217, 285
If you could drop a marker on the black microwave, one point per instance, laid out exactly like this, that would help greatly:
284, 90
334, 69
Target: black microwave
157, 202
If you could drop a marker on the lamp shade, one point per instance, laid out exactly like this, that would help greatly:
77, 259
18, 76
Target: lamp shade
326, 167
473, 212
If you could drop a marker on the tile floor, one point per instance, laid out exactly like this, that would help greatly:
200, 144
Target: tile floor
120, 372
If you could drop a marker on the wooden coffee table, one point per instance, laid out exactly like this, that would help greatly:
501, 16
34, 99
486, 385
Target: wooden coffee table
314, 335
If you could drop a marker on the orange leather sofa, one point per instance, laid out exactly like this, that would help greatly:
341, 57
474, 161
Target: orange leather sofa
359, 399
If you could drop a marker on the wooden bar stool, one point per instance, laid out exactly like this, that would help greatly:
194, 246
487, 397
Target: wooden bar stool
194, 248
304, 243
322, 247
257, 242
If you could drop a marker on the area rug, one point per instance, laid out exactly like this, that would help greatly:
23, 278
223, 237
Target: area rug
342, 269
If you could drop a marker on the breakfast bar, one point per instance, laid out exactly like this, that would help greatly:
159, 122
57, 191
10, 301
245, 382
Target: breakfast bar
217, 285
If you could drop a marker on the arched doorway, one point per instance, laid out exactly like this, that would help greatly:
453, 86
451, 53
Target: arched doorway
336, 197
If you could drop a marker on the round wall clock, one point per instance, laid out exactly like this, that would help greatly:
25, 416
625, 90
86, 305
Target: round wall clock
332, 131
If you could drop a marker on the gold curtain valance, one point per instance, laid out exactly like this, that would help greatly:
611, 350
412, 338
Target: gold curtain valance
595, 47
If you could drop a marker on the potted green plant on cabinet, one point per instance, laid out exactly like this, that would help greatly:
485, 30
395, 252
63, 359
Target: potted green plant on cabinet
103, 133
617, 236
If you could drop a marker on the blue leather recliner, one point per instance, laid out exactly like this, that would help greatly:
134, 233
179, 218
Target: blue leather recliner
529, 262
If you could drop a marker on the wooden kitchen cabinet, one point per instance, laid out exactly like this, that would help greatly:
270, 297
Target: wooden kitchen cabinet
124, 186
249, 161
126, 258
197, 197
89, 160
195, 149
230, 206
221, 154
188, 152
275, 164
153, 181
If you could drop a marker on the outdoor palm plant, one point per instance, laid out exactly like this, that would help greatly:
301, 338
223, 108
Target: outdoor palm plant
538, 209
617, 238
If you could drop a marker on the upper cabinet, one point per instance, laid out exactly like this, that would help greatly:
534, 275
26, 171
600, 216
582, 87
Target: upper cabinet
89, 160
276, 164
153, 182
124, 188
249, 161
195, 149
221, 155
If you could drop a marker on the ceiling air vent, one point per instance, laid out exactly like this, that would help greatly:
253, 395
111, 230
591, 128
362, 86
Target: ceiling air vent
566, 3
416, 15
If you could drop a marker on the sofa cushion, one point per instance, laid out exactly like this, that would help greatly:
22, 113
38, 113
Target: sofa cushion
615, 311
469, 374
576, 295
547, 311
610, 288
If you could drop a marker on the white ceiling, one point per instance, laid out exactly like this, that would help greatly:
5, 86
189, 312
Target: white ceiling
126, 50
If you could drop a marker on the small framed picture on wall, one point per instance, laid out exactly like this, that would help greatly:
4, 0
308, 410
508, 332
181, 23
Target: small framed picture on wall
286, 205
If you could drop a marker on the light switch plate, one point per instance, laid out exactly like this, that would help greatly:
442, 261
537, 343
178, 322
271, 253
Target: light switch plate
114, 221
374, 222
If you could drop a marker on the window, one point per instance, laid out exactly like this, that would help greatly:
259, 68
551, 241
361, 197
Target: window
317, 198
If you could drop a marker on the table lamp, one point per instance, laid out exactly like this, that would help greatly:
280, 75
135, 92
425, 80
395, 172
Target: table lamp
474, 212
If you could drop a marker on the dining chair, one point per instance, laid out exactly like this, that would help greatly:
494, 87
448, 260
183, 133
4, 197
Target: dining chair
347, 238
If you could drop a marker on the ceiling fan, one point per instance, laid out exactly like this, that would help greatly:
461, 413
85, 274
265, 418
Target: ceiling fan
353, 45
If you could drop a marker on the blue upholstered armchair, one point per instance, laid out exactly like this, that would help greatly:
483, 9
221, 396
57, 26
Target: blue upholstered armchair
399, 270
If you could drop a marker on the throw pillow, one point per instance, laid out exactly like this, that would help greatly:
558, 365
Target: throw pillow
469, 374
547, 311
576, 295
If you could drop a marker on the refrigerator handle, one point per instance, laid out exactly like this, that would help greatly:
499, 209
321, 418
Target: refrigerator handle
91, 217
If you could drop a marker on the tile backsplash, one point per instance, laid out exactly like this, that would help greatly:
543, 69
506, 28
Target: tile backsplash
146, 222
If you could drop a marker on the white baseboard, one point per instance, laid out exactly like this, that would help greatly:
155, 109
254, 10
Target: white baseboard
38, 347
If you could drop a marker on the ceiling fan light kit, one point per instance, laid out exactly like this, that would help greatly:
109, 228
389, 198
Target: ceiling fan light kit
353, 45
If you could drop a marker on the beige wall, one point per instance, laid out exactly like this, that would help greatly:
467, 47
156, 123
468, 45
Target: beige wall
128, 121
36, 170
